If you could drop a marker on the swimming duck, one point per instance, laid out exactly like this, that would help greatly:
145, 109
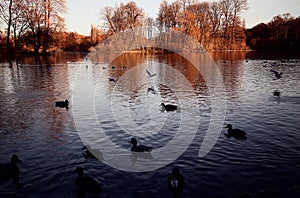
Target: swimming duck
276, 73
175, 181
236, 133
112, 79
276, 93
62, 104
86, 183
139, 148
11, 170
151, 89
169, 107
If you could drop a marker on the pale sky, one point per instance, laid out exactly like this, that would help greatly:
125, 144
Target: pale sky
81, 14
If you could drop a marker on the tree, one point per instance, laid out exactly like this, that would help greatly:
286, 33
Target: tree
168, 16
282, 32
215, 15
96, 35
11, 13
122, 17
52, 19
231, 9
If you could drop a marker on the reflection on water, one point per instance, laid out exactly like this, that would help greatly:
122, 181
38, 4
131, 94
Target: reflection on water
46, 139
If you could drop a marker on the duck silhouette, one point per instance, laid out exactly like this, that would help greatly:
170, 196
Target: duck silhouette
276, 93
11, 171
276, 73
86, 183
151, 89
112, 79
169, 107
62, 104
235, 133
139, 148
175, 181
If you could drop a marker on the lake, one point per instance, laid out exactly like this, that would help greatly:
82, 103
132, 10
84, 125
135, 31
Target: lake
106, 113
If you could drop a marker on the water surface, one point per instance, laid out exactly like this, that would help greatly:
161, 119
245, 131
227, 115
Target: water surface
46, 138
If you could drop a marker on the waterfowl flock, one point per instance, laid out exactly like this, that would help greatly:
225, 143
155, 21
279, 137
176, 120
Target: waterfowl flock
89, 184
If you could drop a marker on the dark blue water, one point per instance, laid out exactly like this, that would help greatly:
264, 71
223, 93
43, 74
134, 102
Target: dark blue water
47, 139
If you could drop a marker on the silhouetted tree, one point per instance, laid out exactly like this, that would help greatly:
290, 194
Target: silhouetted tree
281, 33
12, 14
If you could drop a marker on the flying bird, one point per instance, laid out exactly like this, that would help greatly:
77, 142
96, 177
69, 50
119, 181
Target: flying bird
149, 74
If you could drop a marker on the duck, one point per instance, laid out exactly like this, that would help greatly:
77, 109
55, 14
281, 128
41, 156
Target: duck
175, 181
169, 107
62, 104
236, 133
276, 93
276, 73
112, 79
86, 183
11, 170
139, 148
151, 89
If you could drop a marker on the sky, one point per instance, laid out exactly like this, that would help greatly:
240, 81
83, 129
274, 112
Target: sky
81, 14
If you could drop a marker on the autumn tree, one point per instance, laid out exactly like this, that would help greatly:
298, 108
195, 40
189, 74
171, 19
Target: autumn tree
231, 10
122, 17
168, 15
12, 14
216, 25
96, 35
215, 15
53, 21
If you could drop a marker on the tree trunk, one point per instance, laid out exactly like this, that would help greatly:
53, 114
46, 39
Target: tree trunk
8, 27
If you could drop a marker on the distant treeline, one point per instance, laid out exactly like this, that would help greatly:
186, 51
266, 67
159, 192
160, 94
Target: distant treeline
281, 33
215, 25
37, 26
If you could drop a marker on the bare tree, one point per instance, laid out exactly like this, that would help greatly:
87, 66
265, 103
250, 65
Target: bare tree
231, 10
169, 14
11, 15
122, 17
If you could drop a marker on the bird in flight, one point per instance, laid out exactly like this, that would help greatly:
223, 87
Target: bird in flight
149, 74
